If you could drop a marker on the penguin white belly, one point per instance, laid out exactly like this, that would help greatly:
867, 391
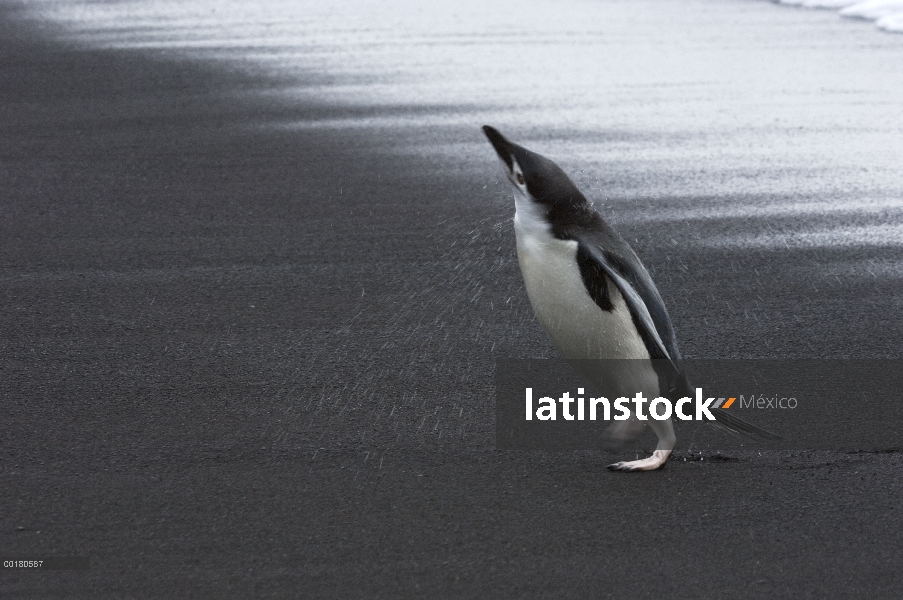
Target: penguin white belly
574, 322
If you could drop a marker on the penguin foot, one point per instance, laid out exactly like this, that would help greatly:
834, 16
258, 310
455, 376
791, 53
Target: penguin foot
656, 461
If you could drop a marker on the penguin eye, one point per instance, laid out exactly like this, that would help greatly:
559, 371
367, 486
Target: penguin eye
520, 179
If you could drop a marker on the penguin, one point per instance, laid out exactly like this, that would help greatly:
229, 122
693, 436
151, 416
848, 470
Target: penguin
595, 299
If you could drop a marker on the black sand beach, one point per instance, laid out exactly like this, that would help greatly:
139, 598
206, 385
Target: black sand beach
245, 361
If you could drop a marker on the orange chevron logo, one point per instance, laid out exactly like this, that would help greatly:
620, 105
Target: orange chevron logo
722, 404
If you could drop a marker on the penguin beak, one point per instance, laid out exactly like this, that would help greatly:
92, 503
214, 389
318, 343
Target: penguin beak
502, 146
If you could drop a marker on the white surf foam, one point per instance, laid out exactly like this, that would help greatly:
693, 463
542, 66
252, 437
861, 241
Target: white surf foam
875, 9
887, 14
818, 3
892, 23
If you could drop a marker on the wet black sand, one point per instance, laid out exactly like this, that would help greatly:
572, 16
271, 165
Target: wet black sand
238, 361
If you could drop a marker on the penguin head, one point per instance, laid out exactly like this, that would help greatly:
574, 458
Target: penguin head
539, 183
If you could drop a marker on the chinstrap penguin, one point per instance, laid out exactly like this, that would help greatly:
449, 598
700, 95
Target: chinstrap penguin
594, 298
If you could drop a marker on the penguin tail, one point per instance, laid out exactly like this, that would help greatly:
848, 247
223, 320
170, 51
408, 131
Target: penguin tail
728, 422
724, 420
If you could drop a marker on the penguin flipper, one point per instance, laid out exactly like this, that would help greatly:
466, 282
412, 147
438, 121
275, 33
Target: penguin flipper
635, 302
